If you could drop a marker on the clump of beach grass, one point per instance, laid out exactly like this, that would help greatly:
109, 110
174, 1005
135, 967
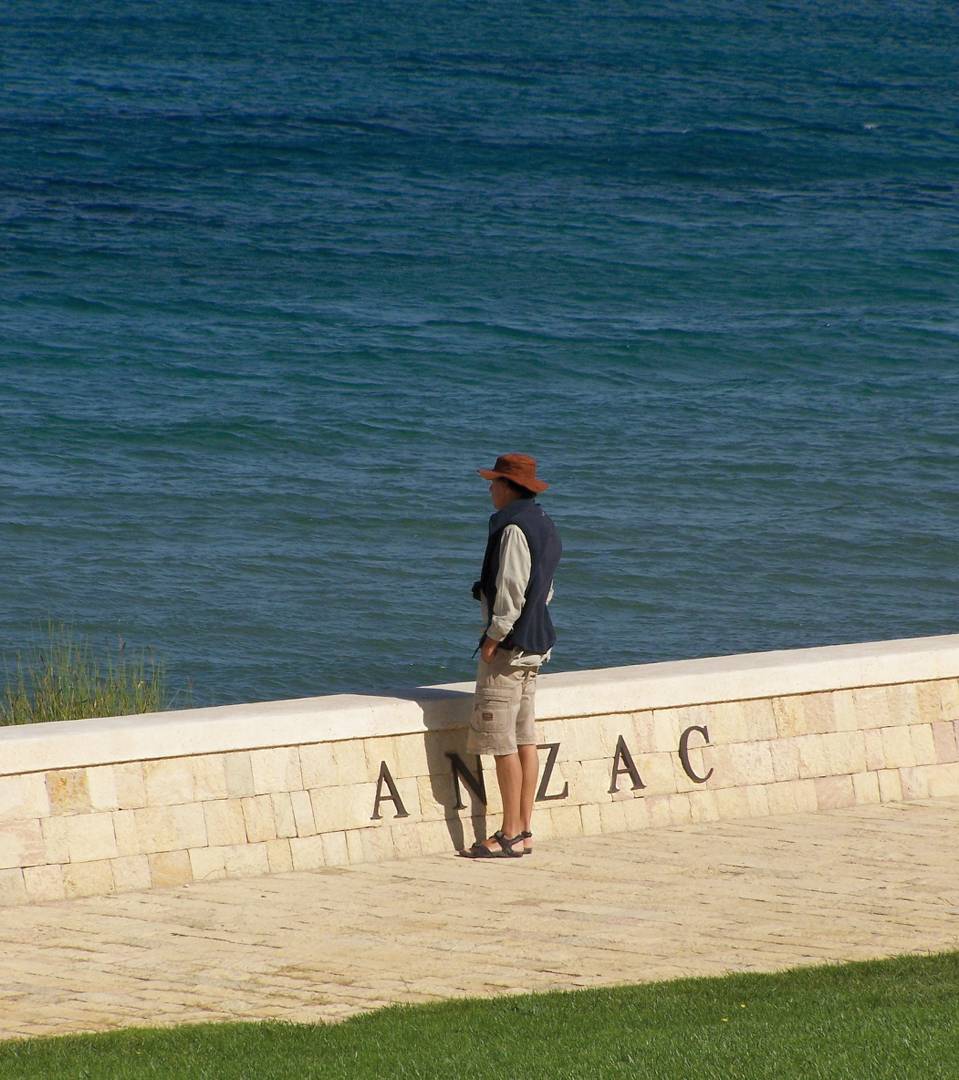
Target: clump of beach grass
65, 680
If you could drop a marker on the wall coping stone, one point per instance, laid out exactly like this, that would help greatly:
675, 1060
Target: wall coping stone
224, 728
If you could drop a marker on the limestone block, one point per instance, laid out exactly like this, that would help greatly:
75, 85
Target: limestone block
276, 769
376, 751
833, 792
742, 764
408, 756
897, 747
125, 831
872, 707
43, 882
664, 735
702, 805
405, 841
949, 699
68, 792
169, 781
781, 797
21, 844
132, 873
699, 761
88, 879
928, 703
239, 774
90, 837
656, 771
844, 711
944, 739
12, 887
169, 868
225, 824
435, 838
834, 754
592, 825
658, 811
760, 720
209, 777
302, 813
130, 785
335, 850
923, 744
757, 800
278, 856
890, 785
377, 844
732, 803
593, 780
54, 831
566, 820
807, 799
942, 780
915, 783
542, 825
351, 763
23, 796
612, 817
318, 766
436, 798
246, 860
354, 845
307, 852
338, 808
726, 723
102, 785
785, 758
549, 731
866, 787
283, 814
609, 730
790, 716
156, 829
875, 754
589, 742
639, 735
207, 864
680, 812
258, 815
903, 702
190, 825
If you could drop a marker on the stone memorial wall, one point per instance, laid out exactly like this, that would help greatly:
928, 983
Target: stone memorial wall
92, 807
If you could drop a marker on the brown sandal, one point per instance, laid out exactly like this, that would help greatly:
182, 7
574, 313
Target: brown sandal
480, 851
526, 835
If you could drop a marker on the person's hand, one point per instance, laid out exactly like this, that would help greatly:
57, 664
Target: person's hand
487, 650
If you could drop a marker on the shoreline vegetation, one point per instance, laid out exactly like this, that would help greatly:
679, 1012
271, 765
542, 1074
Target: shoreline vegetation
66, 680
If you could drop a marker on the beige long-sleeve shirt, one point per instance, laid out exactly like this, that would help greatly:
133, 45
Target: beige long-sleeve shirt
515, 566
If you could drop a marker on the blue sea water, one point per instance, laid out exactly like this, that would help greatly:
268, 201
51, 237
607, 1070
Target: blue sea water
275, 279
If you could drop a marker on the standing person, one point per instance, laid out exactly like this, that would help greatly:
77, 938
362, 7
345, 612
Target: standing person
515, 585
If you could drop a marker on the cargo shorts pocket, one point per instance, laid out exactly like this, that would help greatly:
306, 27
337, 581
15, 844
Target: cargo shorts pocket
492, 711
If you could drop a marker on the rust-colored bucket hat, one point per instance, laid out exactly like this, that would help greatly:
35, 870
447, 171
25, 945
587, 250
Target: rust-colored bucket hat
520, 468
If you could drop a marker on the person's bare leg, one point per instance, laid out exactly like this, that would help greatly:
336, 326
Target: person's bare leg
529, 761
509, 776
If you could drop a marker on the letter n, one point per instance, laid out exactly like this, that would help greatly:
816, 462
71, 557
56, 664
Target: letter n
623, 763
393, 797
475, 783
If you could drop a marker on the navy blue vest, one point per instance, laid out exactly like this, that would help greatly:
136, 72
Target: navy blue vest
533, 631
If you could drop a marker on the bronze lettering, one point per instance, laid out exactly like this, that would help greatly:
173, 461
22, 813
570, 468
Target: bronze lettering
475, 783
684, 754
541, 795
393, 797
623, 763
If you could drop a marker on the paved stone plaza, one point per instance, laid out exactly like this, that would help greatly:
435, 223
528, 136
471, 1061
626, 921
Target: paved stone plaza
751, 895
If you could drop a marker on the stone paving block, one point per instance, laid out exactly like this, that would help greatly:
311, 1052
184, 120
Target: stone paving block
88, 879
168, 868
239, 774
942, 780
207, 864
945, 741
278, 855
872, 707
12, 889
225, 824
283, 814
923, 744
890, 785
897, 747
54, 831
246, 860
169, 781
21, 844
102, 785
276, 769
23, 797
307, 852
68, 792
209, 777
90, 837
866, 787
131, 872
130, 785
302, 813
915, 783
318, 766
258, 816
833, 792
335, 850
43, 882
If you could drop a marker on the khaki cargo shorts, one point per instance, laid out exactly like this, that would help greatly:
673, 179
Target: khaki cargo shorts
503, 706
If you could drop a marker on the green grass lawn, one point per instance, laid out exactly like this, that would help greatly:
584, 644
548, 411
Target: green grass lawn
882, 1019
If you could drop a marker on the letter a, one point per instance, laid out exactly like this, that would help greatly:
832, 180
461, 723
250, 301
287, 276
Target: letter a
393, 797
623, 763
